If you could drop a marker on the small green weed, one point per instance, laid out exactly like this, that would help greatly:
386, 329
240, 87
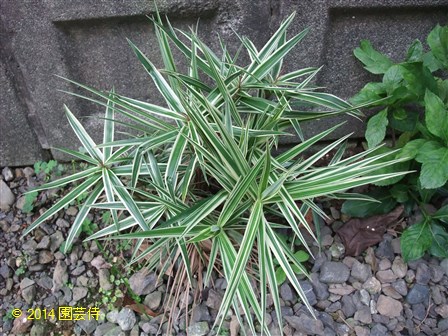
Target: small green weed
48, 168
30, 198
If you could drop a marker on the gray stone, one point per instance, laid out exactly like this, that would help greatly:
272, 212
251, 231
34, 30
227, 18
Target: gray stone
143, 283
88, 325
307, 288
418, 294
306, 324
360, 271
45, 282
337, 249
399, 267
5, 271
112, 316
115, 332
401, 287
44, 243
348, 307
363, 315
437, 273
87, 256
320, 289
198, 329
7, 198
153, 300
378, 330
29, 293
60, 276
126, 319
78, 270
386, 276
103, 275
444, 265
56, 239
62, 223
7, 174
372, 285
419, 311
385, 250
214, 299
26, 282
45, 257
390, 291
103, 328
423, 274
388, 306
38, 330
442, 325
79, 293
436, 295
334, 272
200, 313
286, 292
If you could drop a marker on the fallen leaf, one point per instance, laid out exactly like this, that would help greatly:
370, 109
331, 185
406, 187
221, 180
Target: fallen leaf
138, 307
360, 233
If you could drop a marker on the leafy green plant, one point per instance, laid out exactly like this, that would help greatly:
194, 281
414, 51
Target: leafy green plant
30, 198
48, 168
202, 186
412, 100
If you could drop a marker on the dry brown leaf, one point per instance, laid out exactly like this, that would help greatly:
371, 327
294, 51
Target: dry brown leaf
360, 233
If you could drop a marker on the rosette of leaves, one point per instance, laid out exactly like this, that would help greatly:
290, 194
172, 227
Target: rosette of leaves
203, 187
412, 106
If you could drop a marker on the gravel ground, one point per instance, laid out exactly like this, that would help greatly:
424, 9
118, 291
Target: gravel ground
374, 294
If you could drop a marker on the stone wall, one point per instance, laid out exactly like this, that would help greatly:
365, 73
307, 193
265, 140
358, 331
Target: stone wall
85, 40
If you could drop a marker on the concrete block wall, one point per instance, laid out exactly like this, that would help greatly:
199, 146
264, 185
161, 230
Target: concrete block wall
85, 41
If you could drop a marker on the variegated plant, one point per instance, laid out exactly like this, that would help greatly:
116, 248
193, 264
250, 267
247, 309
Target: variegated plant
203, 187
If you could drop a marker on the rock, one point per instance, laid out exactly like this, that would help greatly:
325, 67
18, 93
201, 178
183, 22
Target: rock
126, 319
99, 263
104, 328
79, 293
378, 330
214, 299
419, 311
320, 290
401, 287
360, 271
62, 223
200, 313
390, 291
88, 325
78, 270
20, 203
26, 282
143, 283
418, 294
372, 285
385, 250
348, 307
103, 275
337, 250
442, 325
44, 243
389, 307
60, 276
364, 297
45, 282
386, 276
444, 265
153, 300
437, 273
7, 198
56, 241
198, 329
442, 310
45, 257
363, 315
38, 330
71, 211
399, 267
437, 295
307, 288
5, 271
286, 292
7, 174
334, 272
29, 293
384, 264
306, 324
28, 172
340, 289
112, 316
360, 331
423, 274
21, 325
87, 256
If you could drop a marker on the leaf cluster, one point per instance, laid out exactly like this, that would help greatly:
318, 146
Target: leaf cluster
203, 183
412, 106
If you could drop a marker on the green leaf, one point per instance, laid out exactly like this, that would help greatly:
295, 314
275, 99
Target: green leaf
400, 192
371, 93
434, 160
438, 41
362, 209
403, 120
439, 247
436, 116
373, 61
442, 214
280, 276
400, 166
376, 128
415, 241
301, 256
415, 52
411, 149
